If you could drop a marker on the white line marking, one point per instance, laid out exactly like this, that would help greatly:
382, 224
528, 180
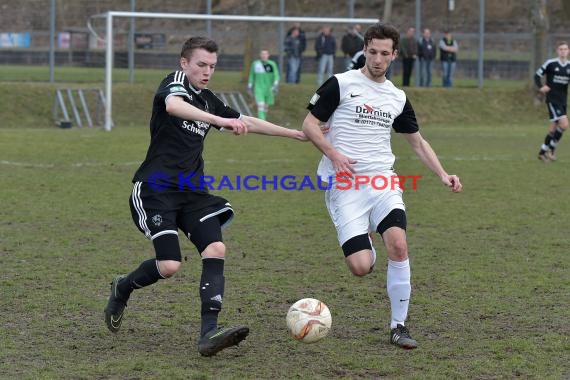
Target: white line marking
269, 161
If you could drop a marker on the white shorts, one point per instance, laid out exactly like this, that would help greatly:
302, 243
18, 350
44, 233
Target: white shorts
357, 212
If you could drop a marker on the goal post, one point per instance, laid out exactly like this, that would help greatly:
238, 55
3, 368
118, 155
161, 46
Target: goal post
109, 16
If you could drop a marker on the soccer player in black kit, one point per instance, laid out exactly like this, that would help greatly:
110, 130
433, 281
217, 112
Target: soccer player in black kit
167, 195
557, 71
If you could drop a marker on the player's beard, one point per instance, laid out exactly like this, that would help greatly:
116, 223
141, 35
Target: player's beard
377, 73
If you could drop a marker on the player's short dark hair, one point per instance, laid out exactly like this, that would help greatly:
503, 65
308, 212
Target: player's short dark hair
561, 43
382, 31
194, 43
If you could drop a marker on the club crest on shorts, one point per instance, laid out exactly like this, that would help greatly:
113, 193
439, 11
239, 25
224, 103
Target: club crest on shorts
157, 220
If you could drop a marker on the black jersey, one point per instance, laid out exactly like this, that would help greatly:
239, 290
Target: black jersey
358, 61
557, 77
176, 144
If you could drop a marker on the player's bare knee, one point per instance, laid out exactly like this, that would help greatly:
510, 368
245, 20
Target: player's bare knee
563, 123
168, 268
215, 249
360, 268
397, 250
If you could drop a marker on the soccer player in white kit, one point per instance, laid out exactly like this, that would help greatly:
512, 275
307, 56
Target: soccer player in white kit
359, 108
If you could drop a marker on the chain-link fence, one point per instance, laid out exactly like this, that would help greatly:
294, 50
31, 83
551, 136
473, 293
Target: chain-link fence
25, 31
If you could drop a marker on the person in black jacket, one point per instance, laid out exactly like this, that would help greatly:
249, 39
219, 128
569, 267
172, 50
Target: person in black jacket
293, 48
408, 53
426, 55
448, 55
302, 45
325, 47
352, 42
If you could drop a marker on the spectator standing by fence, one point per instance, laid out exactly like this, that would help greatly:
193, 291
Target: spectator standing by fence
426, 56
303, 45
293, 48
408, 52
352, 42
325, 47
448, 55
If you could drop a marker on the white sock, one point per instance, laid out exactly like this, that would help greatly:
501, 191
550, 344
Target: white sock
399, 290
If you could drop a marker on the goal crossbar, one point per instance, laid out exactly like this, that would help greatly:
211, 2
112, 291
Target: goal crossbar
191, 16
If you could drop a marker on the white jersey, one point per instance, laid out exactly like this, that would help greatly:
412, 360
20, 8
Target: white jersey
361, 114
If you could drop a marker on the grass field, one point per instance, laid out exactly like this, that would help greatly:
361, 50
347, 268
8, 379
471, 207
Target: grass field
489, 266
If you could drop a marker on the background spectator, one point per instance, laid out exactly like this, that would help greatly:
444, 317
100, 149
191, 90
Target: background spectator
426, 55
325, 47
408, 52
352, 42
303, 46
448, 55
293, 50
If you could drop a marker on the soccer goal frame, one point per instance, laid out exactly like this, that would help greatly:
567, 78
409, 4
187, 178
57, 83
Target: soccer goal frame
110, 16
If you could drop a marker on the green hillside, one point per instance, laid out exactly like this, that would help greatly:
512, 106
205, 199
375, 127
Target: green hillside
31, 103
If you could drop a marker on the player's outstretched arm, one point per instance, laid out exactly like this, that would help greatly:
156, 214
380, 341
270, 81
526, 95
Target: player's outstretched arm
176, 106
427, 155
263, 127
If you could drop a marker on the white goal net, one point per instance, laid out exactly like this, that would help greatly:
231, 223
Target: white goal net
111, 17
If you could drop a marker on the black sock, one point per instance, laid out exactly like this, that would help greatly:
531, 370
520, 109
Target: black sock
211, 292
146, 274
549, 137
557, 136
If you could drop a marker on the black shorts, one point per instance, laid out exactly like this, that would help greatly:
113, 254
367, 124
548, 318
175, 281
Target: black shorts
556, 111
156, 212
